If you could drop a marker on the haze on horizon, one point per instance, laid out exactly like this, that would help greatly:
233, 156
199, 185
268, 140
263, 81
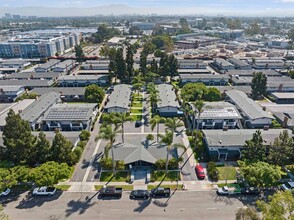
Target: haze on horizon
199, 7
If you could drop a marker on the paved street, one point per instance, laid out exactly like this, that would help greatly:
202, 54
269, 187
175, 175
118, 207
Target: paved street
67, 205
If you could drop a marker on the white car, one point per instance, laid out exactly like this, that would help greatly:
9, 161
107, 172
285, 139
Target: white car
5, 192
44, 191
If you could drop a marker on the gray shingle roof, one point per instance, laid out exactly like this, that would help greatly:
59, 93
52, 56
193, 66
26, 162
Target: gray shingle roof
80, 91
167, 96
32, 75
82, 77
247, 105
251, 72
48, 65
120, 97
238, 62
283, 95
236, 137
223, 62
27, 83
204, 76
34, 111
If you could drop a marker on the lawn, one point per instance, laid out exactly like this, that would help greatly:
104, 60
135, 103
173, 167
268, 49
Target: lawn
172, 187
137, 104
136, 110
124, 187
159, 175
119, 177
135, 95
62, 187
136, 117
227, 173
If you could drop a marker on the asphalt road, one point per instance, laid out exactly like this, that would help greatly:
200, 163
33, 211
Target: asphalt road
67, 205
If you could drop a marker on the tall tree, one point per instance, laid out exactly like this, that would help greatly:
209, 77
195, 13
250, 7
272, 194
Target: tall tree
254, 149
18, 139
42, 149
155, 121
172, 124
123, 117
259, 85
94, 94
120, 64
154, 66
143, 63
281, 151
280, 206
164, 68
173, 65
61, 149
130, 62
112, 64
168, 140
109, 134
247, 213
199, 105
79, 53
212, 95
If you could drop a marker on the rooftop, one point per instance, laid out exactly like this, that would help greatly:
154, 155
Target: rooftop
27, 83
32, 75
71, 112
120, 96
251, 72
247, 105
238, 62
223, 62
204, 76
167, 96
64, 90
283, 95
48, 64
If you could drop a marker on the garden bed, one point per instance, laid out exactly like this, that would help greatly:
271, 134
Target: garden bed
227, 173
119, 177
160, 175
124, 187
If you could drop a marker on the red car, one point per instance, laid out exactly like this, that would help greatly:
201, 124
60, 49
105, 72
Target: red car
200, 172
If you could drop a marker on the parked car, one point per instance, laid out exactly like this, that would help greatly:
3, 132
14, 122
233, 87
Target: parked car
140, 194
110, 191
250, 191
5, 192
44, 191
287, 186
226, 191
200, 172
160, 192
138, 124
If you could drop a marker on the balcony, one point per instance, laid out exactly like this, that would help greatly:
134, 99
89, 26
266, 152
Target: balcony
232, 124
208, 125
52, 126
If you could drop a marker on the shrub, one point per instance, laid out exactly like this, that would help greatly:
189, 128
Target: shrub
85, 135
120, 165
173, 163
82, 144
106, 163
212, 171
160, 164
78, 152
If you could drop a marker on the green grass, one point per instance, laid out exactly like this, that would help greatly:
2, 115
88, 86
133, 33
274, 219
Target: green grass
228, 173
135, 95
172, 187
62, 187
136, 117
136, 110
124, 187
159, 175
119, 177
137, 104
5, 164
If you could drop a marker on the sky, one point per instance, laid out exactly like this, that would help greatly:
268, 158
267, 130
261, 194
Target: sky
227, 7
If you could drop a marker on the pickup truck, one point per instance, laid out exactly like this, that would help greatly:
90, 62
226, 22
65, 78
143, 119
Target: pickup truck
44, 191
160, 192
225, 191
110, 191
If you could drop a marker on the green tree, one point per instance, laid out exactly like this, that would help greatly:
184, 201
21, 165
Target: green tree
168, 140
164, 68
154, 122
212, 95
106, 163
173, 65
193, 91
164, 42
254, 149
21, 173
79, 53
85, 135
27, 95
61, 149
18, 139
143, 63
122, 118
291, 74
160, 164
130, 62
184, 26
149, 137
120, 64
154, 66
260, 174
50, 173
104, 51
280, 152
120, 165
94, 94
247, 213
151, 77
291, 34
7, 179
280, 206
42, 150
148, 48
199, 105
259, 85
108, 134
212, 171
172, 124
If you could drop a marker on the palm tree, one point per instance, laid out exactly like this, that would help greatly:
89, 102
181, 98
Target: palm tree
199, 105
108, 133
172, 124
168, 140
122, 118
155, 122
151, 88
153, 100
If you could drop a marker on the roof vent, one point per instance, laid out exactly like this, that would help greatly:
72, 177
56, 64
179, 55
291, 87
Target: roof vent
220, 142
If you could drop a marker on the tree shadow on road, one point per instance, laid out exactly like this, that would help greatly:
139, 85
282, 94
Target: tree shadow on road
85, 164
143, 204
78, 206
31, 201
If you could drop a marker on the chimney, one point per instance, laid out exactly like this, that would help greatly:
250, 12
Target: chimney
285, 122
